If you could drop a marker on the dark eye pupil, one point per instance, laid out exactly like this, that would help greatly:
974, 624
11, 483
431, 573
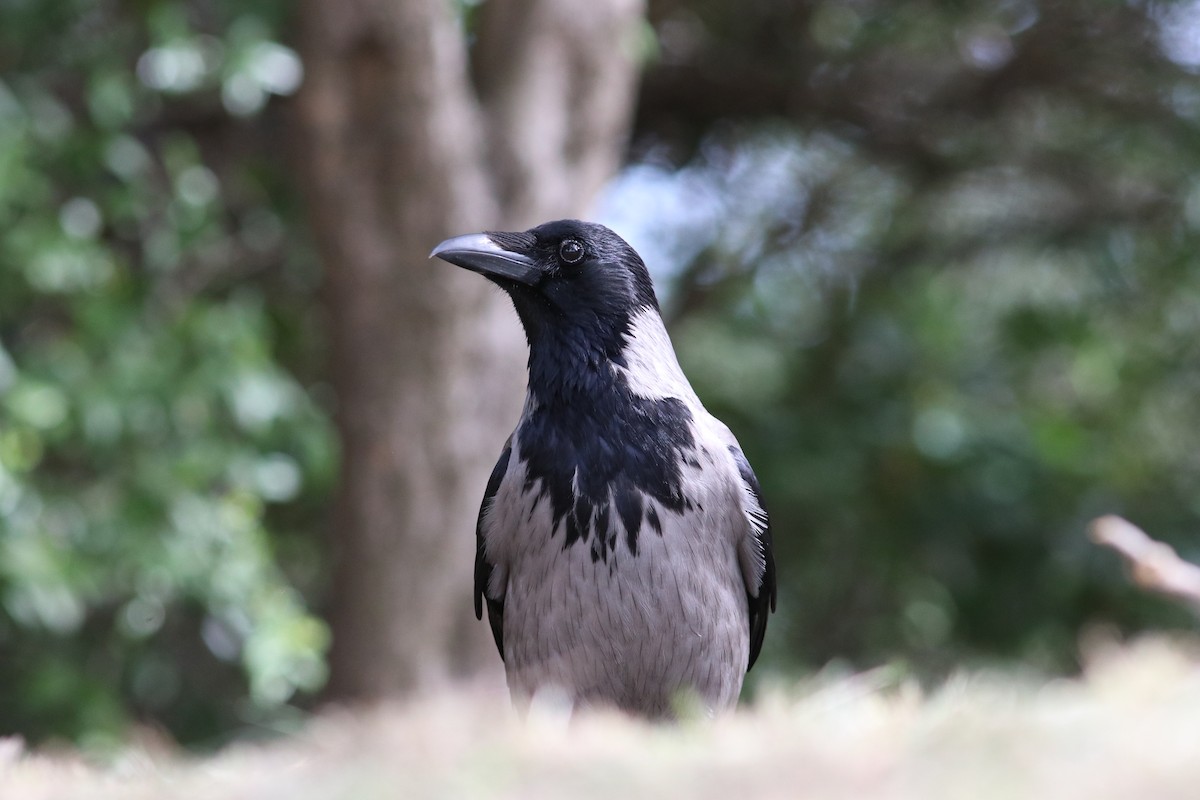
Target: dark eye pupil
570, 251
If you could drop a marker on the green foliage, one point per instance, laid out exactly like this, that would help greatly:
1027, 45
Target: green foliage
161, 471
947, 300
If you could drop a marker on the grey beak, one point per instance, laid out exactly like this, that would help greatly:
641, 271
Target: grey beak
478, 253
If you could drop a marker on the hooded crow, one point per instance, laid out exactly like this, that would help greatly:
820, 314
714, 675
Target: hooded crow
623, 552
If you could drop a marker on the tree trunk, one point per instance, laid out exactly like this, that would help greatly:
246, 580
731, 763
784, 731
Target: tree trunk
399, 147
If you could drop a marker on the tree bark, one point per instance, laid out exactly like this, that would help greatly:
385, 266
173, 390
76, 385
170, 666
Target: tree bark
398, 147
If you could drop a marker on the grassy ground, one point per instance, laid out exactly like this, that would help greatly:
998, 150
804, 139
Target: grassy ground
1129, 728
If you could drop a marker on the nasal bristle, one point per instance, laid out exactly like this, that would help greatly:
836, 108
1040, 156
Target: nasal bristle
516, 242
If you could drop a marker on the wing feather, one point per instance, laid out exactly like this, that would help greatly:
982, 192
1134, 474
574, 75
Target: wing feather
483, 568
761, 583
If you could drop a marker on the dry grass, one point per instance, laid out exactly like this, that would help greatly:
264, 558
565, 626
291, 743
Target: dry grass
1130, 728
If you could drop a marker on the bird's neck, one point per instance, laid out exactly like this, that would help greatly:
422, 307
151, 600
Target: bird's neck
585, 369
573, 369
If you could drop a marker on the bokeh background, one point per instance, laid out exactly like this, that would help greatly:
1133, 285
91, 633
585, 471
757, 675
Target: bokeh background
934, 263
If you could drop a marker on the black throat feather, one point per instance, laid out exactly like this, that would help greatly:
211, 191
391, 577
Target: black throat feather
593, 448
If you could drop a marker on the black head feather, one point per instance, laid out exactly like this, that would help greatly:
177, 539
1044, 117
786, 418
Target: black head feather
590, 282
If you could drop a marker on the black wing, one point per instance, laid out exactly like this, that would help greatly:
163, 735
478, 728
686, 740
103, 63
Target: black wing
762, 597
483, 570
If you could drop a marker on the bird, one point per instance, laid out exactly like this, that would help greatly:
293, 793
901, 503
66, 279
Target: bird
623, 551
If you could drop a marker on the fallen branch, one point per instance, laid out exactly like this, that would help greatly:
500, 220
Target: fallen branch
1153, 565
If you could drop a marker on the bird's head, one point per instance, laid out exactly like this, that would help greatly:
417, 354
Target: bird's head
573, 283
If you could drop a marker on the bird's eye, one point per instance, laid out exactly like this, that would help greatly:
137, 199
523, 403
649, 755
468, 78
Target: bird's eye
570, 251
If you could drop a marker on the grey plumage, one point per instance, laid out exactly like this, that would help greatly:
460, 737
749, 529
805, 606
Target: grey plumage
623, 551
